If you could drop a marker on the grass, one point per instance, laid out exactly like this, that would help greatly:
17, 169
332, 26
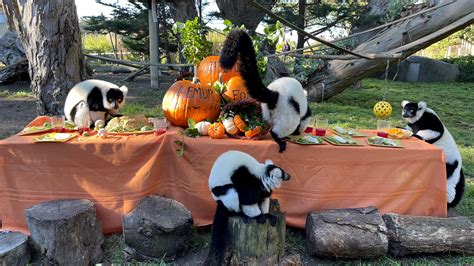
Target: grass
16, 94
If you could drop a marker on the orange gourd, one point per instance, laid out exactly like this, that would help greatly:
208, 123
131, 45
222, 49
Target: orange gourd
185, 100
235, 89
240, 123
209, 70
216, 130
253, 132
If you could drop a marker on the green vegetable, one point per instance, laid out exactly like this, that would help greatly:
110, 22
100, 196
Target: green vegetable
147, 128
47, 125
85, 134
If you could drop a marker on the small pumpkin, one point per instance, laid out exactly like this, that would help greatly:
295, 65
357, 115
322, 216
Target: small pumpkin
202, 127
253, 132
230, 126
235, 89
216, 130
102, 133
240, 123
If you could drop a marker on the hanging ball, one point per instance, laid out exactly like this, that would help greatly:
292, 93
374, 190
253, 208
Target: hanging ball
382, 109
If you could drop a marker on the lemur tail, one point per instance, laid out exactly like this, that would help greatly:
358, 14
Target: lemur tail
238, 45
219, 237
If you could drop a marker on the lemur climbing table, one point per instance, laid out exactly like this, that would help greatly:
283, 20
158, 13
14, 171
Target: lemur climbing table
118, 171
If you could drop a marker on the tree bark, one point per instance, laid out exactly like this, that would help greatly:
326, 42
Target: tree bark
14, 72
301, 22
243, 13
65, 232
347, 233
49, 31
414, 235
407, 37
14, 248
182, 10
11, 50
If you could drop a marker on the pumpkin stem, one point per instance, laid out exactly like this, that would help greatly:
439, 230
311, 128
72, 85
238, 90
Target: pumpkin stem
195, 78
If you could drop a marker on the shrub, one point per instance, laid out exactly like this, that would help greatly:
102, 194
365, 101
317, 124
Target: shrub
96, 43
466, 67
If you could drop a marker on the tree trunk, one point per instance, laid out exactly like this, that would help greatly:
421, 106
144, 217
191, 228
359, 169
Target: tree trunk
14, 72
347, 233
182, 10
301, 22
407, 37
14, 248
414, 235
65, 232
49, 31
243, 13
370, 18
9, 53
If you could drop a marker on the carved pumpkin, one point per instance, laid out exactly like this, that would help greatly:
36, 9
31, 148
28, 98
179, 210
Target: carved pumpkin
185, 100
236, 89
209, 69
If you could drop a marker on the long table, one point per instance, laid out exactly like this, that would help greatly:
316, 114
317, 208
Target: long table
118, 171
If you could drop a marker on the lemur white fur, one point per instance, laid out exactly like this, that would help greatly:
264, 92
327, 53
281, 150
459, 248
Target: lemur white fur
284, 101
96, 94
444, 140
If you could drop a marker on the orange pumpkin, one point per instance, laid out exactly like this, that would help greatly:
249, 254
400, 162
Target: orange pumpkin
185, 100
209, 69
236, 89
216, 131
240, 123
253, 132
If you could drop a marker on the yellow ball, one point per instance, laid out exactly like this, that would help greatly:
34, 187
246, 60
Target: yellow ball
382, 109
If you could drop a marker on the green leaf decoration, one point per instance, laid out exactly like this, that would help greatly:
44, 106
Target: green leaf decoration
191, 123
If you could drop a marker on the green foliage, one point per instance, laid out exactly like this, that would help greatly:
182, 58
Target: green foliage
96, 43
395, 7
438, 50
466, 67
195, 44
16, 94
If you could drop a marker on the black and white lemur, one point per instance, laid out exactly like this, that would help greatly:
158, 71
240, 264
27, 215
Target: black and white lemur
284, 102
240, 185
101, 99
426, 125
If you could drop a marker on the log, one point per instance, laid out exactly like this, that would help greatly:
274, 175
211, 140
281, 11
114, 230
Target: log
414, 235
156, 228
14, 248
65, 232
251, 243
347, 233
15, 72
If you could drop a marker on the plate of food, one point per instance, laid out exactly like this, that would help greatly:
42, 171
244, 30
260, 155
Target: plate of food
399, 133
55, 137
384, 142
347, 132
342, 140
306, 139
129, 125
36, 129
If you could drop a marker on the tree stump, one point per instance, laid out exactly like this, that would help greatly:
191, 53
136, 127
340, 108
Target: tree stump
14, 248
66, 232
252, 243
412, 235
156, 228
347, 233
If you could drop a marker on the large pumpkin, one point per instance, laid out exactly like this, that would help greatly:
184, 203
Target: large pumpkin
235, 89
185, 100
209, 70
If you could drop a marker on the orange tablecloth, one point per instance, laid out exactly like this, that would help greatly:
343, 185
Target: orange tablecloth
116, 172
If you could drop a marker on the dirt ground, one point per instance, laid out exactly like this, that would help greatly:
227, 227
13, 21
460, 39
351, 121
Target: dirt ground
16, 113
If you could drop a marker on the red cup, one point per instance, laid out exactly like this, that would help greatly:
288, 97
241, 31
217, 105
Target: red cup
160, 131
382, 134
320, 132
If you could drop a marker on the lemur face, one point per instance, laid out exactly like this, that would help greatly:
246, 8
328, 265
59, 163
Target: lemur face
115, 98
274, 172
412, 110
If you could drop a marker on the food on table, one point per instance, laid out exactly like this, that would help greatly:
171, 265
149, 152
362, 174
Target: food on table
146, 128
203, 127
398, 133
383, 141
69, 125
54, 137
99, 124
126, 124
86, 134
240, 123
306, 139
230, 126
102, 133
47, 125
335, 139
253, 132
339, 129
216, 130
